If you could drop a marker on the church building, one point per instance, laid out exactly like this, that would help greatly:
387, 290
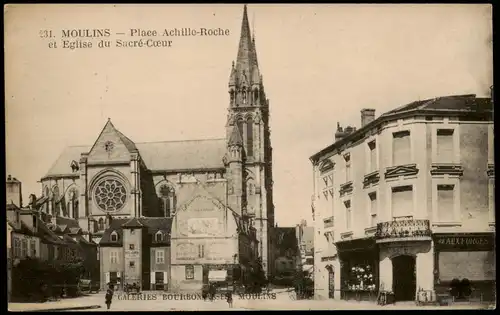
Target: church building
179, 211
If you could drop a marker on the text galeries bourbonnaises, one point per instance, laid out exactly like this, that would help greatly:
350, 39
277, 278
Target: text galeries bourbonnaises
131, 38
192, 297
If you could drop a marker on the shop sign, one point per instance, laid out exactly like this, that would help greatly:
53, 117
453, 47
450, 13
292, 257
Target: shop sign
132, 254
465, 242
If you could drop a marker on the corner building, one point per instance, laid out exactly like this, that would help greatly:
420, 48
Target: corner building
210, 199
406, 203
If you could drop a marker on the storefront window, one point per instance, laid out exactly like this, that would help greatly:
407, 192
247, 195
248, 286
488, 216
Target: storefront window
361, 278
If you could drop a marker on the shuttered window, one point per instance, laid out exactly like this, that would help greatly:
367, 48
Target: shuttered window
444, 148
373, 156
32, 248
160, 256
348, 214
373, 209
401, 148
445, 203
347, 159
402, 201
24, 248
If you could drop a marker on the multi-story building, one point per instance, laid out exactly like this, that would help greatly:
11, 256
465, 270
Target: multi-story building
286, 254
119, 179
305, 239
33, 234
406, 202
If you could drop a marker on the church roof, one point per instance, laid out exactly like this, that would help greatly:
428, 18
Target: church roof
164, 156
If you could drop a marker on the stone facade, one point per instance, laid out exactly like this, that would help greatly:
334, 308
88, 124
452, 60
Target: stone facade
381, 192
118, 179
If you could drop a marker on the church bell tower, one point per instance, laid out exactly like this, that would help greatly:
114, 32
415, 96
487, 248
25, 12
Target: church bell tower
248, 127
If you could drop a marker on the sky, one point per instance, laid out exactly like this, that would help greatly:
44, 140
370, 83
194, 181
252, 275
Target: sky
321, 64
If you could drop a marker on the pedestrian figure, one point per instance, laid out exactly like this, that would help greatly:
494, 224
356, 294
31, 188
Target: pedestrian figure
212, 292
109, 296
229, 298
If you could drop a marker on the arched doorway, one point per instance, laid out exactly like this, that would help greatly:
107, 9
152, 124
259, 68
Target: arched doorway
404, 280
331, 281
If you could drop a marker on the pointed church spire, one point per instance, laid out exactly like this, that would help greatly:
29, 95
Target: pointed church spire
244, 60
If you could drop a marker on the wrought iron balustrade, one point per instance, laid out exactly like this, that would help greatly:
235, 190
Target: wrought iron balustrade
405, 228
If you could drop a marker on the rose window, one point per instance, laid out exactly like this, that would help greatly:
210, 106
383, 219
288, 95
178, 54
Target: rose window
110, 195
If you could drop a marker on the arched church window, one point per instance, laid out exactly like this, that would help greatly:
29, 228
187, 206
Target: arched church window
101, 224
244, 95
255, 96
46, 193
240, 124
167, 200
249, 136
76, 210
231, 95
251, 189
56, 210
72, 204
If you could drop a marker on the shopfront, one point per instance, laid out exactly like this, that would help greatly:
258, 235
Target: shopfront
358, 269
465, 265
219, 276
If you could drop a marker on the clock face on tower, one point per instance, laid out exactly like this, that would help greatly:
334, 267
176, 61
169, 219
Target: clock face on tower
110, 195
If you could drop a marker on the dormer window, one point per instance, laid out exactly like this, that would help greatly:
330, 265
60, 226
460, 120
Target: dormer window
74, 166
114, 236
244, 96
159, 236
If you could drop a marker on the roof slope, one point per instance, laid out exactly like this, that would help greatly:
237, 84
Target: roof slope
149, 225
467, 105
165, 156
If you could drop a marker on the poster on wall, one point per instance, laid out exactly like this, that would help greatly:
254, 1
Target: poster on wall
203, 227
186, 251
220, 252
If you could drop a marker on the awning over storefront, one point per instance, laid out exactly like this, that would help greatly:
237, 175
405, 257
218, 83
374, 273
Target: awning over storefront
217, 275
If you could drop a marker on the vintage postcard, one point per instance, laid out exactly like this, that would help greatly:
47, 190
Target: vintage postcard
249, 157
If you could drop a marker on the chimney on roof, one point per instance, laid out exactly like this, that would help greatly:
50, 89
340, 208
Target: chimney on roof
339, 134
367, 116
14, 191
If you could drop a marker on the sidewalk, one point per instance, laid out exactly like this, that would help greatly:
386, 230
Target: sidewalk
283, 304
80, 303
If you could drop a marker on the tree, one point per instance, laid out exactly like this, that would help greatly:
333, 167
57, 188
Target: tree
35, 279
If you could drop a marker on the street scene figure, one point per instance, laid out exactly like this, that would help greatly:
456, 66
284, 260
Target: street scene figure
229, 298
109, 296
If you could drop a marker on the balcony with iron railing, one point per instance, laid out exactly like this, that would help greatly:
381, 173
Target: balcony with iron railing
403, 229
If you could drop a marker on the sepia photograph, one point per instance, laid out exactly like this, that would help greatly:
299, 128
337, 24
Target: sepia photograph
218, 157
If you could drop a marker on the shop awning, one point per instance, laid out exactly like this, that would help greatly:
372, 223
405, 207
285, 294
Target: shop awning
217, 275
